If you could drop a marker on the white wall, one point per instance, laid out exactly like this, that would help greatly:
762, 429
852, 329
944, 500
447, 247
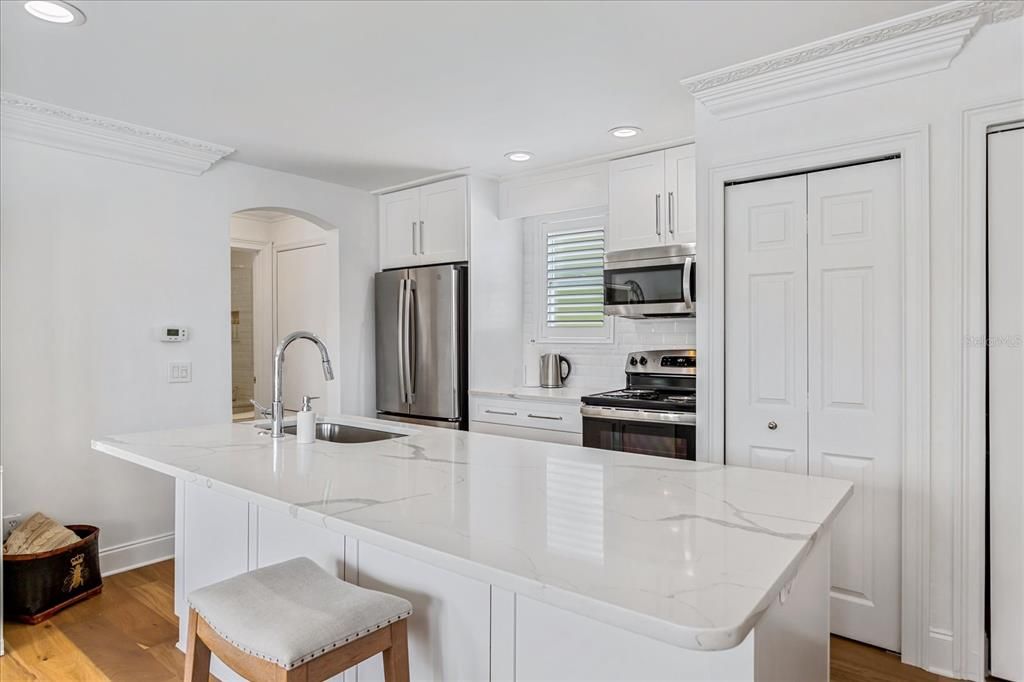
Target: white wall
495, 298
990, 69
95, 255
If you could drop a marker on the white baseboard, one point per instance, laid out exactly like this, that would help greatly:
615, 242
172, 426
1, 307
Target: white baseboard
129, 555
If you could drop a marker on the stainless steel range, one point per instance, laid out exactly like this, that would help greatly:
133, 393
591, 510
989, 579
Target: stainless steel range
655, 414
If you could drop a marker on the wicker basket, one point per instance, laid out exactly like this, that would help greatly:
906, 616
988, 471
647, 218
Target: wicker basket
36, 586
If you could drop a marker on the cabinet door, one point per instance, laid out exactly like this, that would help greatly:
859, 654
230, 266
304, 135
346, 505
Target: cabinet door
444, 216
636, 201
399, 220
680, 195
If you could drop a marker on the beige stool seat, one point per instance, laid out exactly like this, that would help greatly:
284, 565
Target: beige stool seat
279, 620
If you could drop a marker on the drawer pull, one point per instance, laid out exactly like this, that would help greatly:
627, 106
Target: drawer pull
542, 416
506, 414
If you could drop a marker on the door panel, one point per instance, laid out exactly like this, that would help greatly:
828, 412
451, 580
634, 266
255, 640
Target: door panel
436, 342
1006, 400
443, 210
301, 304
854, 384
389, 392
766, 328
681, 181
399, 216
634, 185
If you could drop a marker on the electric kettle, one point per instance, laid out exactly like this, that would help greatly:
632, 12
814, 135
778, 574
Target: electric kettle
551, 375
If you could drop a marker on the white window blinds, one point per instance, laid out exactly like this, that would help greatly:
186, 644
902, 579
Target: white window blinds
575, 278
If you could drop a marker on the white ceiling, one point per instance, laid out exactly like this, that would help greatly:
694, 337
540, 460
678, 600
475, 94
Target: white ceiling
372, 94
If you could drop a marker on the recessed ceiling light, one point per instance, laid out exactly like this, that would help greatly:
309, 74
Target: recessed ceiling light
625, 131
55, 11
519, 156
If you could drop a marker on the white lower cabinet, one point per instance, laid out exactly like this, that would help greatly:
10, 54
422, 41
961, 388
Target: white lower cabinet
527, 433
552, 422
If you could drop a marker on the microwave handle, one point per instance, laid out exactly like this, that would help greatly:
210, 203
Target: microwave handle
687, 294
657, 214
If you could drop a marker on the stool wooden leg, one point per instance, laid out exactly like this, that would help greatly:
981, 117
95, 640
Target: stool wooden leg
197, 660
396, 656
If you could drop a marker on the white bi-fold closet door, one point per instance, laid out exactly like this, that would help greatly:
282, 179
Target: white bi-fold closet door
1006, 401
813, 362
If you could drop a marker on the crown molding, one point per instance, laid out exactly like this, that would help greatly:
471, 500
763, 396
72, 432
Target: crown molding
907, 46
55, 126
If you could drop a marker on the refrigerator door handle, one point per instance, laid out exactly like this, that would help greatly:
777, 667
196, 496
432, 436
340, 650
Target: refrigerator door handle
401, 340
410, 340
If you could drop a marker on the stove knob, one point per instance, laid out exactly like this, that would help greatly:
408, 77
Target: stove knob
632, 361
643, 360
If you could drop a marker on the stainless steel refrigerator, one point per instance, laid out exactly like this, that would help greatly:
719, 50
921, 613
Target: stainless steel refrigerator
422, 345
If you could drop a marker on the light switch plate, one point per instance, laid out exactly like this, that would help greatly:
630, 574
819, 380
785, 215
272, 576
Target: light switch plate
179, 372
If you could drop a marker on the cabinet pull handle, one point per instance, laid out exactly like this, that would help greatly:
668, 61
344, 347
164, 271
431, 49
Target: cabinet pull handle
772, 426
421, 238
506, 414
414, 237
541, 416
671, 217
657, 214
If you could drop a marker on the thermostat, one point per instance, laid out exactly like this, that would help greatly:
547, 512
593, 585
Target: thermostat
173, 333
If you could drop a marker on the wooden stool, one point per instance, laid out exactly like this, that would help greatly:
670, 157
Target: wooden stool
294, 622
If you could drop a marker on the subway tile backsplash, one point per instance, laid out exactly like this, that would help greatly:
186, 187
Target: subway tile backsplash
599, 364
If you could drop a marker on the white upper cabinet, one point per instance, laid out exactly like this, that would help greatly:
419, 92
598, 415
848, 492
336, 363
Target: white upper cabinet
425, 225
399, 224
680, 195
444, 221
651, 199
636, 197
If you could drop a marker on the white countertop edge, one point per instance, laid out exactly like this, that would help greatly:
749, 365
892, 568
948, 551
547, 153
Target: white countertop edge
699, 639
567, 394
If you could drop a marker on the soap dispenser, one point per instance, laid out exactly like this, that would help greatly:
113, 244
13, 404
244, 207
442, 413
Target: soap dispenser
305, 425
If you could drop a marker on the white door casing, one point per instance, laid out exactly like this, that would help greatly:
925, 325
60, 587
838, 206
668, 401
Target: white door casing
766, 323
814, 347
854, 387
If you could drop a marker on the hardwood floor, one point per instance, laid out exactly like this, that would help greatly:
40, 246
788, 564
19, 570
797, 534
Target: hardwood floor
129, 632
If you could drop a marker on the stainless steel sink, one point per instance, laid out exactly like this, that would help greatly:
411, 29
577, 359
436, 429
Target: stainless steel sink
343, 433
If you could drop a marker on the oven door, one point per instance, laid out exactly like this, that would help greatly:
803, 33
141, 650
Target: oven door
662, 434
649, 287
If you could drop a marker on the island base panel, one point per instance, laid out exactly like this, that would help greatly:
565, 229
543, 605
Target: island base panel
465, 629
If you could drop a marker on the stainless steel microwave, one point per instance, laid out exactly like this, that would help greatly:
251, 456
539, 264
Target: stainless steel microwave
657, 281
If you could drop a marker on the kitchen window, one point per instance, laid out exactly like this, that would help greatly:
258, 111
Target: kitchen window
570, 273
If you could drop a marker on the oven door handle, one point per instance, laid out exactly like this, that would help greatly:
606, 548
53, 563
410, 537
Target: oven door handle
627, 414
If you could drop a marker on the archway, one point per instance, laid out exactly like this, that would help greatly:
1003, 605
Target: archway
284, 277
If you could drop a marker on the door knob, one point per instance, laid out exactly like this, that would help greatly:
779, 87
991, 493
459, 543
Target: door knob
772, 426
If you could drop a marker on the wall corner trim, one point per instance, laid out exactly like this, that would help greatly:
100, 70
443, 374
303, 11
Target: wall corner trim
55, 126
911, 45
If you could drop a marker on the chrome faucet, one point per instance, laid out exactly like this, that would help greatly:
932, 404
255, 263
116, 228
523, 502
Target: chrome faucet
276, 411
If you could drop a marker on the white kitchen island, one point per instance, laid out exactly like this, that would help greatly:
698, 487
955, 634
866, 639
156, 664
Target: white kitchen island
523, 560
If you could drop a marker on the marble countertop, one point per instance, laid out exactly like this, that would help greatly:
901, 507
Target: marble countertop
567, 394
688, 553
